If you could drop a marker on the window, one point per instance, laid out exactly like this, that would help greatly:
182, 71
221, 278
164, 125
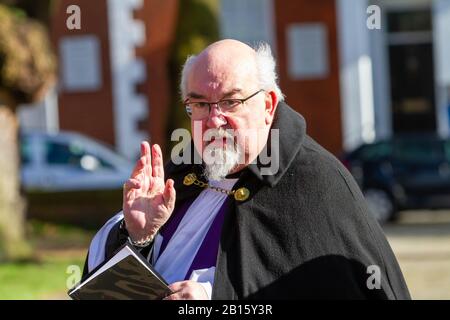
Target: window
80, 63
25, 151
376, 151
419, 151
401, 21
73, 154
250, 21
447, 150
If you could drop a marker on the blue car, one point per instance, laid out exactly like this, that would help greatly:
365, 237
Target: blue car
405, 172
71, 178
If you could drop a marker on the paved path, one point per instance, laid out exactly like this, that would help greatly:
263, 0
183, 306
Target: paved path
421, 242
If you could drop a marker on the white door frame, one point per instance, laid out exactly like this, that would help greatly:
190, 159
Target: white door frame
381, 69
441, 48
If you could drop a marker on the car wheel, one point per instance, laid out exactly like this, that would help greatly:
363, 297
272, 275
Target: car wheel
380, 204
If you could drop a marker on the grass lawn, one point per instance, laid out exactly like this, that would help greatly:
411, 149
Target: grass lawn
44, 280
56, 247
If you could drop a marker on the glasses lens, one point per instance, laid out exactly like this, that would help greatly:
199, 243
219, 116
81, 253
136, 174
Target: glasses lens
188, 110
227, 105
197, 110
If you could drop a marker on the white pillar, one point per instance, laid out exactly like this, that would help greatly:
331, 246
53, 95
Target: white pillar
356, 81
51, 111
441, 41
381, 79
127, 71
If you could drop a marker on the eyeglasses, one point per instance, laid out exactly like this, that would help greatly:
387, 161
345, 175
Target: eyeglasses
201, 109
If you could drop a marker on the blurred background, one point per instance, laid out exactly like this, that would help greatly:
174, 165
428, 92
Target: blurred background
83, 82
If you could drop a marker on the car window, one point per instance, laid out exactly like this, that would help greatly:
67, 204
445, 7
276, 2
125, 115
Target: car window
447, 149
73, 154
377, 151
419, 151
25, 150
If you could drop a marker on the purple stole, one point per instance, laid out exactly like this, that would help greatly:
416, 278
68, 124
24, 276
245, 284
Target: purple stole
206, 255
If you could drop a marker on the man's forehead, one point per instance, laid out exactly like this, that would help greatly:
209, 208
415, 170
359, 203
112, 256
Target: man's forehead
220, 80
224, 94
224, 63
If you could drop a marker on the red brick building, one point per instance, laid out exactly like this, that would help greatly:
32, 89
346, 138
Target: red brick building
357, 70
354, 81
120, 45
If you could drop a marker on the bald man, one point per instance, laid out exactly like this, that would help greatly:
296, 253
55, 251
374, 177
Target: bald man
266, 214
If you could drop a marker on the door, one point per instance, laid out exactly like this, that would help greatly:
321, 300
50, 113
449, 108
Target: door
411, 70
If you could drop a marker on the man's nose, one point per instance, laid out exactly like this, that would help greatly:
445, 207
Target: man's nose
215, 118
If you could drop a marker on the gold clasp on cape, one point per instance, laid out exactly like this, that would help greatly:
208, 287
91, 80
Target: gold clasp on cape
189, 179
241, 194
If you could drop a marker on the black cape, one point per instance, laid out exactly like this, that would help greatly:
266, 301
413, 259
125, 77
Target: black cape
305, 232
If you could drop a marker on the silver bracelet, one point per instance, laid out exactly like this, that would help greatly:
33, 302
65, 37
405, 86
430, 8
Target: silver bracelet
142, 243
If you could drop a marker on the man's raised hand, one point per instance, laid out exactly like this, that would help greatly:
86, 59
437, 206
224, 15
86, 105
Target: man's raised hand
148, 201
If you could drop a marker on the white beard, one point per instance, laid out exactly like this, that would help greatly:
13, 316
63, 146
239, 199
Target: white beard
226, 160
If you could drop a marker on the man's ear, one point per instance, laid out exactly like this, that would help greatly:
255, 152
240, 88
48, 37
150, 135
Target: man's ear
271, 106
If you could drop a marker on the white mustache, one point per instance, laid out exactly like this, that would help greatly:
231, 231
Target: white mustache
217, 134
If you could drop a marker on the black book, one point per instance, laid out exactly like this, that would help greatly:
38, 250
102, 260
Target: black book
127, 275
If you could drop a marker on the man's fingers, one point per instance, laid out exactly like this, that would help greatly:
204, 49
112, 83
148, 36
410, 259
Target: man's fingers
157, 163
169, 194
140, 164
129, 186
145, 148
146, 153
177, 289
185, 290
180, 295
177, 286
146, 169
174, 296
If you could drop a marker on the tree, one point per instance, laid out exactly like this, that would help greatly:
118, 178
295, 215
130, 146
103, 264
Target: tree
27, 70
197, 28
